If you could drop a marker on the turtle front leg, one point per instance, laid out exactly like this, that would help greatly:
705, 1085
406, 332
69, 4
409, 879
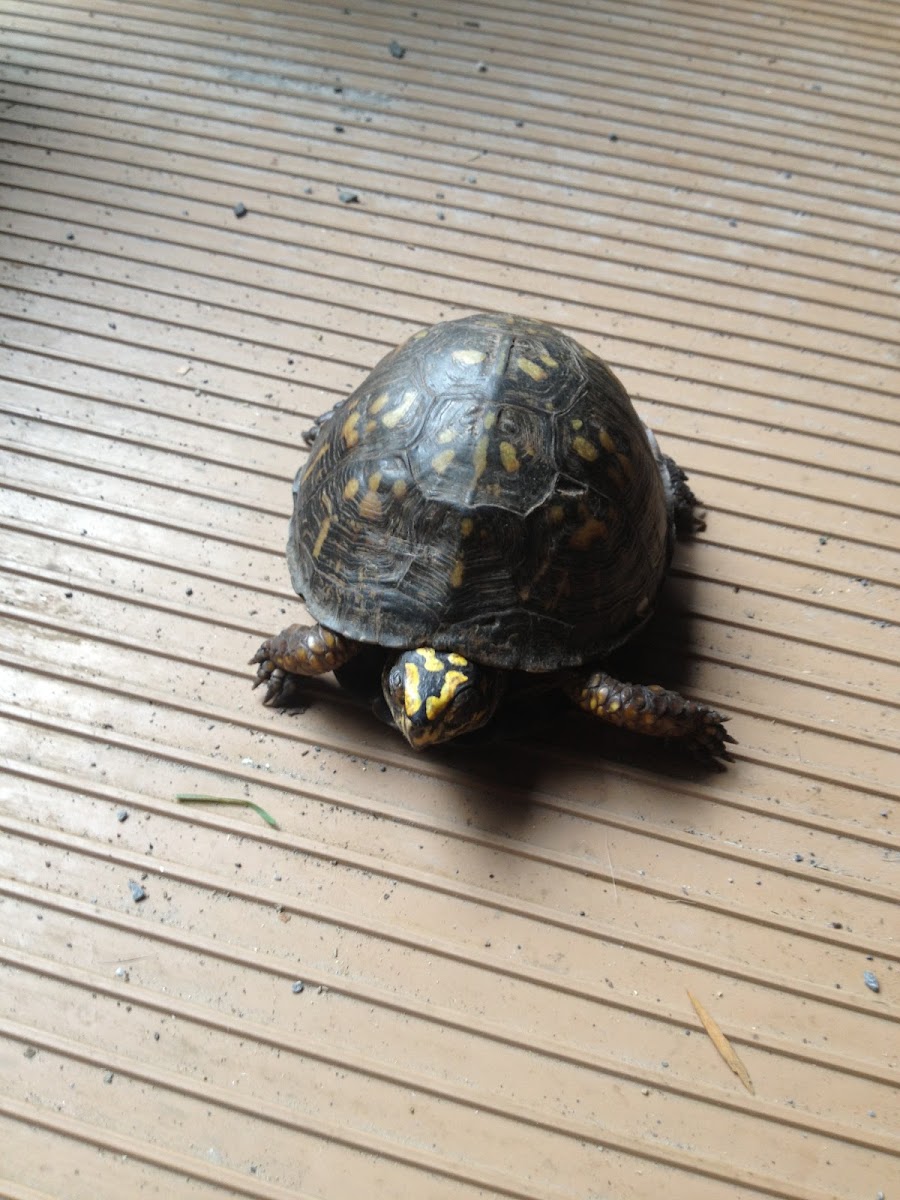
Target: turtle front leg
654, 711
296, 651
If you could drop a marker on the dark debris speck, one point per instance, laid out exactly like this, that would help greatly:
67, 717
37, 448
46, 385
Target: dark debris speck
870, 979
348, 196
122, 815
240, 209
297, 987
137, 892
397, 51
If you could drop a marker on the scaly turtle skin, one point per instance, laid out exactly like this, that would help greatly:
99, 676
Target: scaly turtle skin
486, 500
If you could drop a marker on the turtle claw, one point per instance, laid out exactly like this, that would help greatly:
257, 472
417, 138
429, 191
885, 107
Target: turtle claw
280, 685
276, 679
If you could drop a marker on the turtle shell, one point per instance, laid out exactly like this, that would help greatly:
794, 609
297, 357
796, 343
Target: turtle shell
488, 489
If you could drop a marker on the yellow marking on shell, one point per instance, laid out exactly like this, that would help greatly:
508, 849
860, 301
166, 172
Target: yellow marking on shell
350, 431
508, 457
606, 442
321, 536
557, 514
375, 481
490, 420
351, 488
535, 370
456, 575
430, 660
326, 503
412, 698
548, 360
442, 461
466, 526
613, 706
589, 532
370, 506
395, 415
328, 638
399, 488
370, 425
378, 403
446, 435
577, 424
585, 449
469, 358
320, 452
479, 458
458, 660
449, 688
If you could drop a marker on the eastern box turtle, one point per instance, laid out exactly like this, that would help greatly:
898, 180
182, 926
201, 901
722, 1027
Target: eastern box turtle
486, 502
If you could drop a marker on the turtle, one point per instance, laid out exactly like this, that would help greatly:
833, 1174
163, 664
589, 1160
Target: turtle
486, 503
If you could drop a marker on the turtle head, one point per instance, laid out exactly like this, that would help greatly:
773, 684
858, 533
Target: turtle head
435, 696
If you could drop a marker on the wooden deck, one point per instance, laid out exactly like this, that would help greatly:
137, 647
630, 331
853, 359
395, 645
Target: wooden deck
497, 945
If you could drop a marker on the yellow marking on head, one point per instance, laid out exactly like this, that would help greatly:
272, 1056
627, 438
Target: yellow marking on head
418, 336
614, 706
535, 370
412, 699
430, 660
375, 481
466, 526
589, 532
577, 423
548, 360
449, 688
370, 425
321, 536
585, 449
370, 506
606, 442
456, 575
399, 488
442, 461
351, 488
328, 638
480, 457
469, 358
458, 660
446, 435
508, 457
490, 420
349, 430
396, 415
378, 403
557, 514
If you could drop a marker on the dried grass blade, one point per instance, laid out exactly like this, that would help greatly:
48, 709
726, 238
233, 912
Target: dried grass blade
722, 1044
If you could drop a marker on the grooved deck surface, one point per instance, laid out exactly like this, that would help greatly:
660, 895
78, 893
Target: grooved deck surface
496, 943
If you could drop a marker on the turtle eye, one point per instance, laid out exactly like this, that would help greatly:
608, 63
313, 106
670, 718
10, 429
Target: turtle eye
395, 679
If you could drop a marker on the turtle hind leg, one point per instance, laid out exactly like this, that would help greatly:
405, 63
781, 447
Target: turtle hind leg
687, 518
297, 651
653, 711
